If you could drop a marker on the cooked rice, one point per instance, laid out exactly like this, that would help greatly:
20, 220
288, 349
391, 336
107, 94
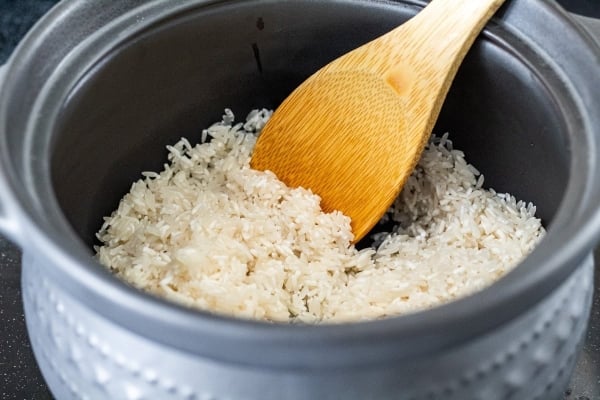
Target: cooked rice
212, 233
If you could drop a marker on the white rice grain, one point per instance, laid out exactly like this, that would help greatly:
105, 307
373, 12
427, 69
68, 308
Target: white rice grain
212, 233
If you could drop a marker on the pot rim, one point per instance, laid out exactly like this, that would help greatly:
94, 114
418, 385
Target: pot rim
245, 342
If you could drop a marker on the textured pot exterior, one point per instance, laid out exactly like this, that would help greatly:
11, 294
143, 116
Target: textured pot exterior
84, 356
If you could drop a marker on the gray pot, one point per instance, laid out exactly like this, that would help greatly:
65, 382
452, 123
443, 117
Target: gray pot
97, 89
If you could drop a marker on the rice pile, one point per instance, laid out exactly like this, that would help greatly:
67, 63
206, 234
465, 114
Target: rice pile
212, 233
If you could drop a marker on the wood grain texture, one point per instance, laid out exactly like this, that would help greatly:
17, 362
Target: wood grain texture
354, 131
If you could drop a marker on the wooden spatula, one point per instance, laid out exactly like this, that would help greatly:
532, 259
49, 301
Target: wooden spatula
354, 131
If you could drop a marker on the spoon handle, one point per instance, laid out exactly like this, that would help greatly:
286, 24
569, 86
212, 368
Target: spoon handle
441, 35
354, 131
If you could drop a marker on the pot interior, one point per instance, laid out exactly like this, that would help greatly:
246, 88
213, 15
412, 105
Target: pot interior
175, 78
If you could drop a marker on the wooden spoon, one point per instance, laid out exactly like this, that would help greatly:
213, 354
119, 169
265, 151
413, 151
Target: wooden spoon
354, 131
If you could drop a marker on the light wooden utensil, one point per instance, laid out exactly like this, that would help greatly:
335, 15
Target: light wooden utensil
354, 131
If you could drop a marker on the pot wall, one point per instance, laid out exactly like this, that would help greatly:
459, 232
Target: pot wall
120, 124
85, 356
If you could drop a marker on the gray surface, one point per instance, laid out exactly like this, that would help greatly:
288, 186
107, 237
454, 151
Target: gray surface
19, 375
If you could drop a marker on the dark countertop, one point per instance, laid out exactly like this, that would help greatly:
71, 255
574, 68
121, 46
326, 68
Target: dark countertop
19, 376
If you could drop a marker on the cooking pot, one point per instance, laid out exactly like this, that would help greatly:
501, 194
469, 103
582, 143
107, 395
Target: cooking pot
97, 89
